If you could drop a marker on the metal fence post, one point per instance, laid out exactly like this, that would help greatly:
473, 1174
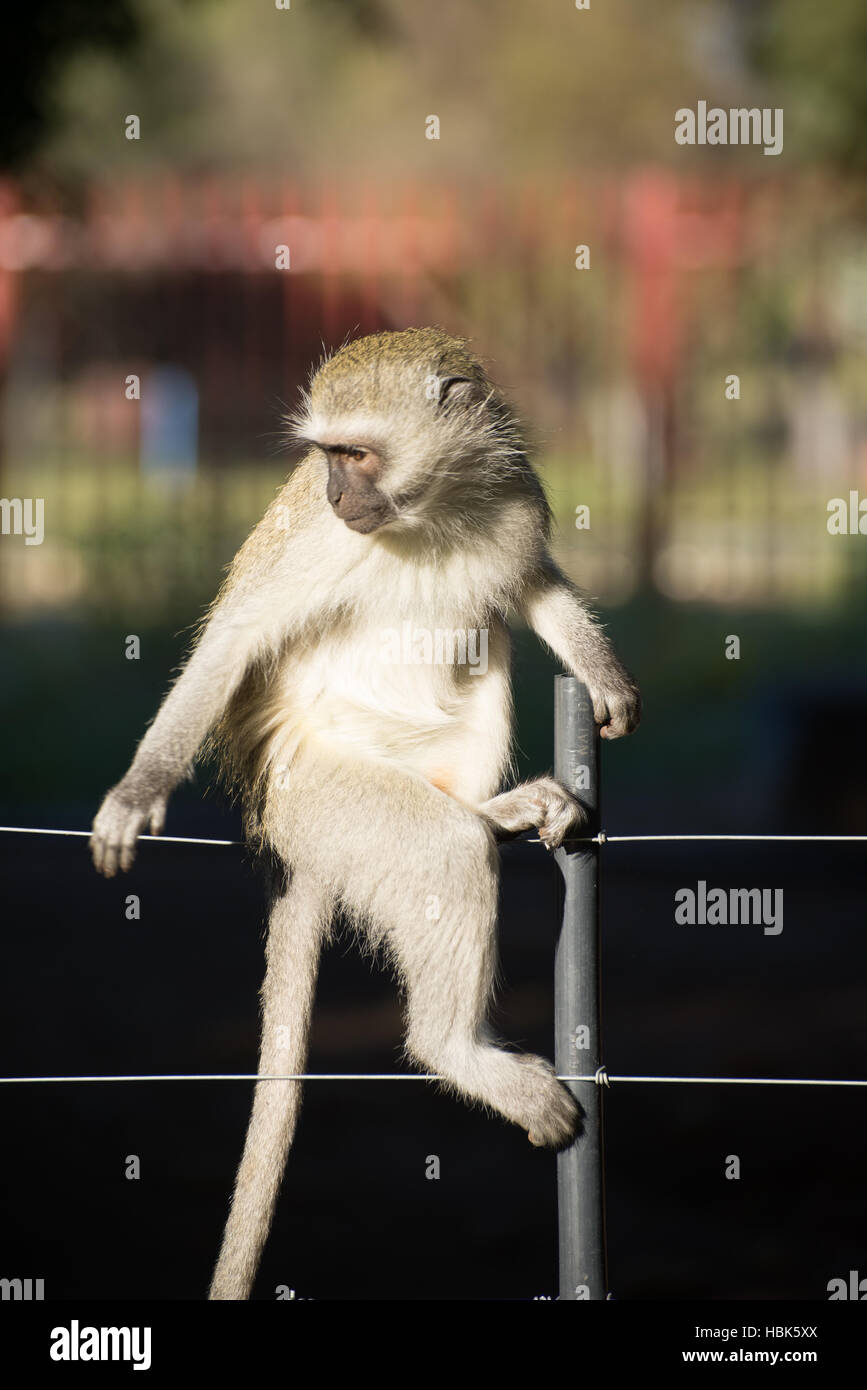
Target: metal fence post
577, 1009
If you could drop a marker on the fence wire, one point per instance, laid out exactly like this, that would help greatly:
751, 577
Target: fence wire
600, 1078
601, 839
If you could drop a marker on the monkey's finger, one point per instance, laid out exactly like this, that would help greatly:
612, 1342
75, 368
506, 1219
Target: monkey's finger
97, 850
621, 722
600, 710
109, 857
128, 843
99, 840
615, 728
157, 818
103, 832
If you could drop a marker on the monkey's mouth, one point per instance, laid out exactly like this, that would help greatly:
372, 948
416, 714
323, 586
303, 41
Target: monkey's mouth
371, 520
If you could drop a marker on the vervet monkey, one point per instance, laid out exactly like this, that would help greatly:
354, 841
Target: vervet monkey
367, 765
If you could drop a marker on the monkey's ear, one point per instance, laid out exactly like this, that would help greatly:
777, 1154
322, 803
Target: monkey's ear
457, 390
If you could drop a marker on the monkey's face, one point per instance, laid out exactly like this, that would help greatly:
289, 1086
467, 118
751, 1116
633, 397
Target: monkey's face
407, 424
353, 487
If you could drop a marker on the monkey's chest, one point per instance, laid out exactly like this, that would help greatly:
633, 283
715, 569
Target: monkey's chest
403, 692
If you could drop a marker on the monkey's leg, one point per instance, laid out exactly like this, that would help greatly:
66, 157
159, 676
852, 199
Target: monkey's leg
298, 923
421, 870
449, 974
541, 804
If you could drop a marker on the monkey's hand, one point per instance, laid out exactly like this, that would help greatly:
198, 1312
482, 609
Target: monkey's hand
126, 810
616, 702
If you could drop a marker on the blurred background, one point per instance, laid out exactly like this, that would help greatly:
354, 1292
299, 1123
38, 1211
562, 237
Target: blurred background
154, 260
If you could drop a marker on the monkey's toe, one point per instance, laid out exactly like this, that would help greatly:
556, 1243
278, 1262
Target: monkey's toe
563, 821
552, 1117
559, 1129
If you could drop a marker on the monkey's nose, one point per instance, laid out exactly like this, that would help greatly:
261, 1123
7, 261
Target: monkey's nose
334, 491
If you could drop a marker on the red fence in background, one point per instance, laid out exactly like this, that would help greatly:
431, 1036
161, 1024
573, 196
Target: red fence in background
392, 251
621, 366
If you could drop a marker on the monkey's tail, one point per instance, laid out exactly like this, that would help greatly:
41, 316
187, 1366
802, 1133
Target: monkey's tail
299, 920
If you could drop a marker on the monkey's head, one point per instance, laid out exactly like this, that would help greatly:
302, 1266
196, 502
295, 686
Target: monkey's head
410, 428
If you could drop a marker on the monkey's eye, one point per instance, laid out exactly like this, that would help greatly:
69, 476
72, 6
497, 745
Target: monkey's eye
366, 459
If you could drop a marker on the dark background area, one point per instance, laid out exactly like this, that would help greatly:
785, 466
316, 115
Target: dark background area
84, 991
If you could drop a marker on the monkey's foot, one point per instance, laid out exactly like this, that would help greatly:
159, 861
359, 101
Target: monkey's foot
553, 1116
542, 804
559, 813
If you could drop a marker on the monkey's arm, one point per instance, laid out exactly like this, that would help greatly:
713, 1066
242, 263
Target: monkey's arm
229, 642
556, 611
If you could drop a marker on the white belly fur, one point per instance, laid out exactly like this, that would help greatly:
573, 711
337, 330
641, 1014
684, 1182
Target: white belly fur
440, 720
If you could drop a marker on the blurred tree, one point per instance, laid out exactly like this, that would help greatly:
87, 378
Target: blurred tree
816, 55
45, 33
369, 16
345, 85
